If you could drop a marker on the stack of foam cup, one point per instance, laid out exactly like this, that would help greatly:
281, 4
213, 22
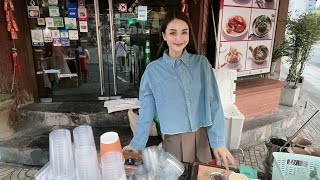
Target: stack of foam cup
61, 156
87, 166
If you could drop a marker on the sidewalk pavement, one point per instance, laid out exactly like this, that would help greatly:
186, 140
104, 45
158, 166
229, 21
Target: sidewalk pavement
253, 156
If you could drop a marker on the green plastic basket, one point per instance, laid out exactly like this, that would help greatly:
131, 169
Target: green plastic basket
288, 166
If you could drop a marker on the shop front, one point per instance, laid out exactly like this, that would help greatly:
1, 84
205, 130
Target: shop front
76, 48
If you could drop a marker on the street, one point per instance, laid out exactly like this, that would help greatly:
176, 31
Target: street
311, 74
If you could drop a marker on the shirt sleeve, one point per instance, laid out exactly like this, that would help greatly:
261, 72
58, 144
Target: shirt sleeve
216, 132
146, 114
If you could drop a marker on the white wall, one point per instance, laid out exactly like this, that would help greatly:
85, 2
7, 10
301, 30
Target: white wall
298, 7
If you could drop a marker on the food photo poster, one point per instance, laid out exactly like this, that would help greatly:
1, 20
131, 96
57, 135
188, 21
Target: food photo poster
246, 35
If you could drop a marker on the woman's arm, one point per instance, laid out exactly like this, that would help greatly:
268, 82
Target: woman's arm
146, 114
216, 132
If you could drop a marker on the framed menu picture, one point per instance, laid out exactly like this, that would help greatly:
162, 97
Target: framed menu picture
246, 35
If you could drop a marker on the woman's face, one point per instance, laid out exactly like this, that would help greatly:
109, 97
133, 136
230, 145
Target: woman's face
176, 35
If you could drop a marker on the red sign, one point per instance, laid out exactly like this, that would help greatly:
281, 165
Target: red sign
122, 7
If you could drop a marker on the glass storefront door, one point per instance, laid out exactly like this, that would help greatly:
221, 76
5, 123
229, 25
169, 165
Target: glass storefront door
72, 52
77, 51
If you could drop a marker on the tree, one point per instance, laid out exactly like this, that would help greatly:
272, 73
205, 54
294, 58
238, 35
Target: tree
303, 34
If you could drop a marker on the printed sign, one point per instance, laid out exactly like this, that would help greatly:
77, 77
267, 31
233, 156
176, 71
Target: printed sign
49, 22
41, 21
32, 3
122, 7
72, 10
70, 23
47, 35
53, 2
82, 14
33, 12
64, 33
55, 33
58, 22
246, 35
142, 13
83, 26
73, 35
54, 11
37, 37
56, 41
81, 2
65, 42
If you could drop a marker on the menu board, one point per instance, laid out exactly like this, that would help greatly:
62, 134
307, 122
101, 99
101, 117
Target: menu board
246, 35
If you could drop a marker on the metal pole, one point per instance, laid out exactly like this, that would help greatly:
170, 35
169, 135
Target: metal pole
101, 73
301, 128
113, 47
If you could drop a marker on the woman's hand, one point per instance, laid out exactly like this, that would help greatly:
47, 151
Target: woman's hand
130, 149
224, 154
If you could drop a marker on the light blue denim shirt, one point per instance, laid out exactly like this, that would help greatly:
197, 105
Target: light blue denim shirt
185, 95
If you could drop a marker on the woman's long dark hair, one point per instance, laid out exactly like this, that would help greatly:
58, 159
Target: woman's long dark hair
191, 48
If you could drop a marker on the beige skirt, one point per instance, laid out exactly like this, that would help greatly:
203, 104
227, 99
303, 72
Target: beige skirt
189, 147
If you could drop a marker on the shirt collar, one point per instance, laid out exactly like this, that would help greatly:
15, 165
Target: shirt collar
172, 62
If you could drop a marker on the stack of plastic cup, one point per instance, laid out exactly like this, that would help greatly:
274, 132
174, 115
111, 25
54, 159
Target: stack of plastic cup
86, 154
83, 136
142, 174
87, 164
61, 156
112, 166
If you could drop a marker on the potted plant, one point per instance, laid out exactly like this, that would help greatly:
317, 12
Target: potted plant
279, 51
303, 33
6, 104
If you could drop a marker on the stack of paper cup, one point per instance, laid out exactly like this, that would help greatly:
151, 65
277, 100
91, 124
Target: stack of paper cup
110, 142
61, 156
112, 166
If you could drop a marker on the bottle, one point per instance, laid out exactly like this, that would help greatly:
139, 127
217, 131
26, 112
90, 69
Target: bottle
147, 56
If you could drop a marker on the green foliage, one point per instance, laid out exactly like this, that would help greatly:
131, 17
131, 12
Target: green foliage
4, 96
281, 50
303, 34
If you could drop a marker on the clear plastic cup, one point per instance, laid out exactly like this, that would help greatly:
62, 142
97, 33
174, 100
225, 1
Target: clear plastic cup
61, 155
143, 174
87, 163
150, 157
169, 167
112, 166
83, 136
176, 165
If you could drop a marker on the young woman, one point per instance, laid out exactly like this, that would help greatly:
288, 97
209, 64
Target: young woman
180, 86
121, 53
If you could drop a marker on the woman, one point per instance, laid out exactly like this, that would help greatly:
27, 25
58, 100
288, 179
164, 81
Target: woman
180, 86
121, 53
